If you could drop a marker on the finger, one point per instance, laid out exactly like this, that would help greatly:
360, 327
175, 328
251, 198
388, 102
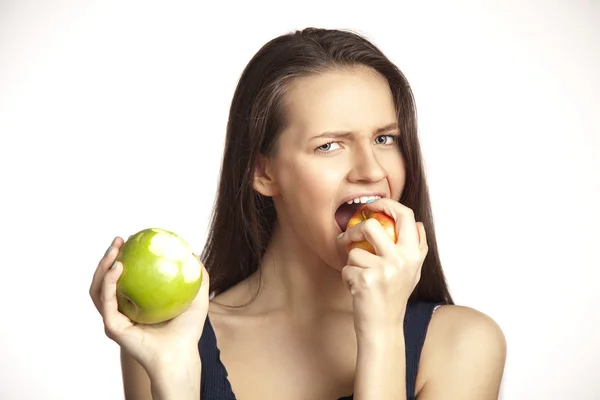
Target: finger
362, 258
114, 321
374, 233
105, 262
350, 276
107, 259
406, 227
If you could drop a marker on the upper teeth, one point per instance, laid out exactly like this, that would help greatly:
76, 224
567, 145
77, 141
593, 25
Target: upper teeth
363, 199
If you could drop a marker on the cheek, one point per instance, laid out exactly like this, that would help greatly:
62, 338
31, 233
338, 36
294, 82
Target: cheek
394, 166
397, 183
312, 182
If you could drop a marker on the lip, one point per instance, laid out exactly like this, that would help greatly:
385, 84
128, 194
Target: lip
362, 194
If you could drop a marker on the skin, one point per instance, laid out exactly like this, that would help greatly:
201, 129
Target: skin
334, 318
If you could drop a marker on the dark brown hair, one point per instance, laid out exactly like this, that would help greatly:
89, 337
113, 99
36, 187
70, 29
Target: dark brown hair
242, 220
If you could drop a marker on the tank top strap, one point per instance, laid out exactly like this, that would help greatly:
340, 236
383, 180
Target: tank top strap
214, 382
416, 321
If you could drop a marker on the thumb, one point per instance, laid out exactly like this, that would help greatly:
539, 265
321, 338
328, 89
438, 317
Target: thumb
194, 317
203, 292
201, 300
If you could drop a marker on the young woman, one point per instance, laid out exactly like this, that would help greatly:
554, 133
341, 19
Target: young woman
321, 122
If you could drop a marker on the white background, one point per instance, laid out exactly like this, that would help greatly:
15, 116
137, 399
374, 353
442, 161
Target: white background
112, 119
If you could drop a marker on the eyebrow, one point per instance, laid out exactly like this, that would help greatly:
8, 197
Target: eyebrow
342, 134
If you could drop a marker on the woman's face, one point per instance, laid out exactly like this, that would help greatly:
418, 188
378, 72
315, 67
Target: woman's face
340, 143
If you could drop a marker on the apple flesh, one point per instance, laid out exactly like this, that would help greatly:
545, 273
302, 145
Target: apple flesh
160, 279
362, 214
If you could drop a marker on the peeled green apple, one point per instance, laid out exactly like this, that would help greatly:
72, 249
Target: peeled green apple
160, 279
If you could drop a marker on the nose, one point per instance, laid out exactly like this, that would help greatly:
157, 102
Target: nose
365, 166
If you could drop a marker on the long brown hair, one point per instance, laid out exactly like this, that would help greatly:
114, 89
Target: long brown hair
242, 220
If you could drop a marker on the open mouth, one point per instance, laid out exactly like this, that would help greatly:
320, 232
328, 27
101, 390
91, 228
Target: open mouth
347, 210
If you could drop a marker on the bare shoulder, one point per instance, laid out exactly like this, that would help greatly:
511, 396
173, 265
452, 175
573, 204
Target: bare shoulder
463, 356
226, 308
460, 325
235, 298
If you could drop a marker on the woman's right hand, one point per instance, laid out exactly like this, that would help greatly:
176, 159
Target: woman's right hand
150, 345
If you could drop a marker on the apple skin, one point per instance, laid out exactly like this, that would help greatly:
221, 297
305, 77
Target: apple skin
362, 214
160, 279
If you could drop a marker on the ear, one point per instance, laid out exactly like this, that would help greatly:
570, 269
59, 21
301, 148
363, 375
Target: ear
265, 182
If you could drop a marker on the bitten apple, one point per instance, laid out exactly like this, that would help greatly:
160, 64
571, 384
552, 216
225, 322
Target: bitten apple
160, 279
362, 214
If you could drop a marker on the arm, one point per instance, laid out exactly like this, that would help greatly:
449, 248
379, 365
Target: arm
463, 357
175, 380
381, 367
136, 383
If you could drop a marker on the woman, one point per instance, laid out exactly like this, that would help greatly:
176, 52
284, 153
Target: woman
320, 123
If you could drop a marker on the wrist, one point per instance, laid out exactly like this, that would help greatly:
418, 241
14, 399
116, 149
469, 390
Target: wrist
380, 361
381, 336
380, 342
173, 364
176, 377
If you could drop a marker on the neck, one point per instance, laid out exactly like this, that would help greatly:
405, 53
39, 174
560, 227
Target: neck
295, 281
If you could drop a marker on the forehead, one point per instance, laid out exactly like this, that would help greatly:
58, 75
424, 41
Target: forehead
354, 100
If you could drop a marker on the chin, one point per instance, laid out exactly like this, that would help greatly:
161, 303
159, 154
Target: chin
338, 268
335, 260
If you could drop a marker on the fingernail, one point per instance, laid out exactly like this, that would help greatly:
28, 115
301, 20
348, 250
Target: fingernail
108, 250
370, 200
340, 235
114, 265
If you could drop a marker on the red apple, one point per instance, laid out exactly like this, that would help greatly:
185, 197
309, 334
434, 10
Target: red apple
362, 214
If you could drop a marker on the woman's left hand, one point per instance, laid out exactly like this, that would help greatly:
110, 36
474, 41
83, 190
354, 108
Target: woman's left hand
381, 283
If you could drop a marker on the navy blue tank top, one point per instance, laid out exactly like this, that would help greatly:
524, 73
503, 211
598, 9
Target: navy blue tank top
216, 386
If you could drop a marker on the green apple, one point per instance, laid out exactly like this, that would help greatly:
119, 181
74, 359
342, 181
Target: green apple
160, 279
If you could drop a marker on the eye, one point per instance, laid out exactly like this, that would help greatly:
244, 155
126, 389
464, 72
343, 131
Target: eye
327, 147
386, 139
